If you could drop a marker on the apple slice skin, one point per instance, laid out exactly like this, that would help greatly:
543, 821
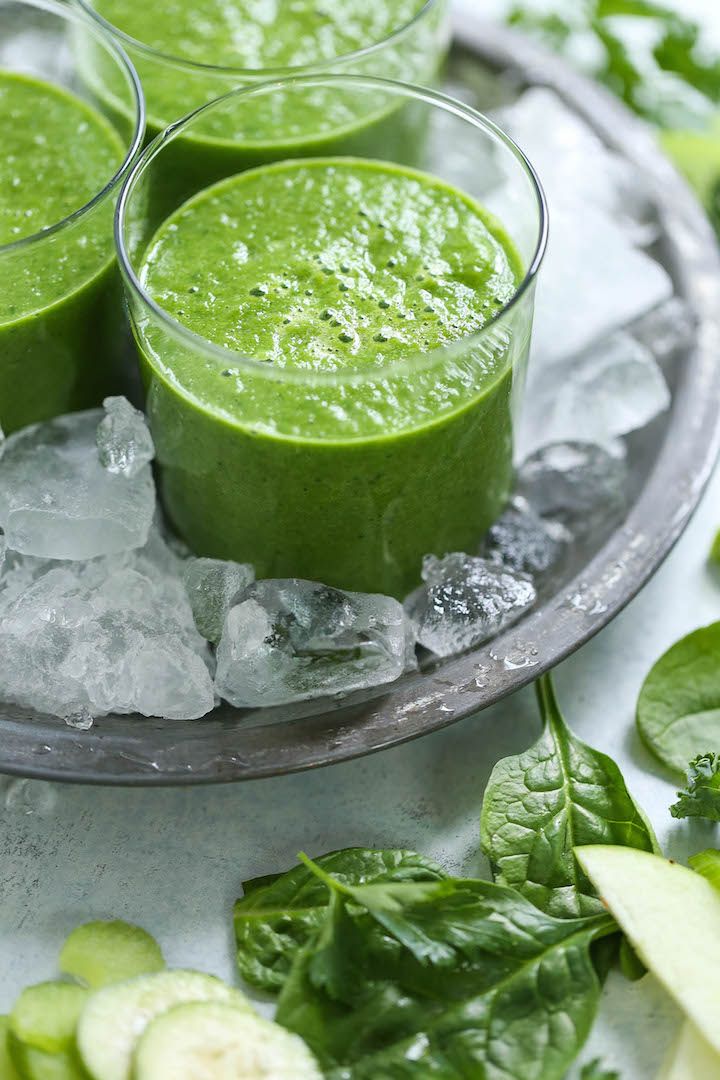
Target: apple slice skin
690, 1056
671, 916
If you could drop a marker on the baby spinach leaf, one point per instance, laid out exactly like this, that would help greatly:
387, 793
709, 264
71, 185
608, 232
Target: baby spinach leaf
557, 795
702, 797
450, 980
678, 711
278, 914
707, 863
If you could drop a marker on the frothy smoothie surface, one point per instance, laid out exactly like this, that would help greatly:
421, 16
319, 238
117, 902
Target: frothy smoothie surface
259, 33
328, 265
57, 154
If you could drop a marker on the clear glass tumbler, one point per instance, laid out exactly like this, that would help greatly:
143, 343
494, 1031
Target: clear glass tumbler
347, 476
62, 343
214, 146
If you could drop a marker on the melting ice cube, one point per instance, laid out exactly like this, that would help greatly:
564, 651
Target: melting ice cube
213, 586
58, 502
124, 441
521, 540
580, 485
465, 601
289, 640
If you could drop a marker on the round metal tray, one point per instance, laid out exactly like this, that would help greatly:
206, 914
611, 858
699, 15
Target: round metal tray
671, 464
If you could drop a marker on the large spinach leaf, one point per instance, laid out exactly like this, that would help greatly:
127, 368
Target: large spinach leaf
451, 980
678, 711
539, 805
277, 915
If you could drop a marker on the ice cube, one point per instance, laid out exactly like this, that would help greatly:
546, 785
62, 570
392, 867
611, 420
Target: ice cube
580, 485
124, 441
82, 720
575, 165
610, 390
290, 640
58, 502
521, 540
466, 600
593, 282
213, 586
114, 634
666, 329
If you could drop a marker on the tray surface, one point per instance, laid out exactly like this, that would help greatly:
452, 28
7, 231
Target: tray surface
672, 464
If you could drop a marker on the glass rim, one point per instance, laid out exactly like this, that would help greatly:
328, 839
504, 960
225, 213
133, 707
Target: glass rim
226, 357
255, 73
70, 13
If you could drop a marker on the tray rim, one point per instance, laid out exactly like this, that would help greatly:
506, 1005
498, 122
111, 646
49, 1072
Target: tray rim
466, 685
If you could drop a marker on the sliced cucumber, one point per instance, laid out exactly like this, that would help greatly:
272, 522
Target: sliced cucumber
45, 1016
7, 1069
101, 953
114, 1018
218, 1042
34, 1064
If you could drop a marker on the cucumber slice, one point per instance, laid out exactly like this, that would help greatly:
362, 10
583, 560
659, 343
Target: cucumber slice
45, 1016
101, 953
7, 1069
690, 1056
114, 1018
34, 1064
218, 1042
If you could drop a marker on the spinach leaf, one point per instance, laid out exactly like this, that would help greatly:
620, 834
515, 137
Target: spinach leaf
594, 1071
450, 980
540, 805
278, 914
702, 797
678, 711
707, 863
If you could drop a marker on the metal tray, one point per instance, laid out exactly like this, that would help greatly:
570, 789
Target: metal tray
671, 464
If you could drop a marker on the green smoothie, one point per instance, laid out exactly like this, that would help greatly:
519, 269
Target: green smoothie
365, 430
193, 52
55, 289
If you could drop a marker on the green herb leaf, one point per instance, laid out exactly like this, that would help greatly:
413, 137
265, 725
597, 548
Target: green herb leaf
452, 980
707, 863
594, 1071
702, 797
277, 915
557, 795
678, 711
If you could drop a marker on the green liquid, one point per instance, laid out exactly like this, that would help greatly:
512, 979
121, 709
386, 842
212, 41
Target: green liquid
237, 42
56, 292
344, 454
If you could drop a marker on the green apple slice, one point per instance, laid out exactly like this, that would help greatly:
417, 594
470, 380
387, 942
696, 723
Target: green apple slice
690, 1056
672, 918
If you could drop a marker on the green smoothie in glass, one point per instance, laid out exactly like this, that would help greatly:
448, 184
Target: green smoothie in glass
301, 418
56, 280
190, 53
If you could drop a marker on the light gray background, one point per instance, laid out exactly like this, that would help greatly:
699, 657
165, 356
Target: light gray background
173, 860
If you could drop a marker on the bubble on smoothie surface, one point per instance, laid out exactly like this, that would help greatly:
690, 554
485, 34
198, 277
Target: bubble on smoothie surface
580, 485
58, 502
610, 390
112, 634
124, 441
521, 540
213, 586
291, 640
466, 600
